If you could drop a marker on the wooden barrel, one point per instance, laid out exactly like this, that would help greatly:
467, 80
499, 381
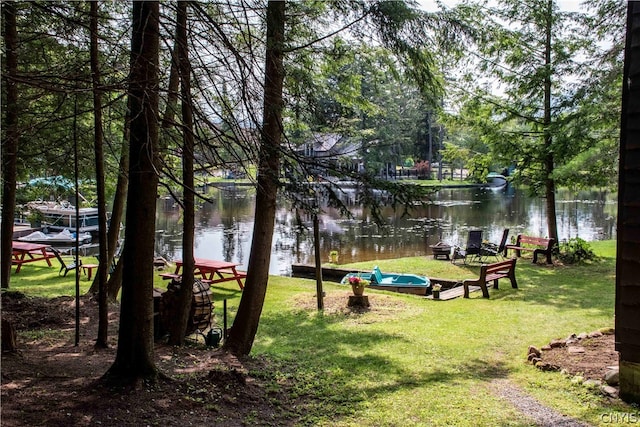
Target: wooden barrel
201, 312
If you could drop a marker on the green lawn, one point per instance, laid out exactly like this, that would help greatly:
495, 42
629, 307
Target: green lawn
417, 361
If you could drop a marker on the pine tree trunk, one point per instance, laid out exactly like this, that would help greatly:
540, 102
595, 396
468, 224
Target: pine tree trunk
113, 234
179, 326
101, 276
247, 318
10, 140
115, 280
135, 354
550, 187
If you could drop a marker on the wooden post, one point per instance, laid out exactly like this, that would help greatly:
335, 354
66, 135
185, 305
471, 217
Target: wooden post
316, 243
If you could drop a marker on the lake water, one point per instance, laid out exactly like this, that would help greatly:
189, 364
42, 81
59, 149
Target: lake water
224, 227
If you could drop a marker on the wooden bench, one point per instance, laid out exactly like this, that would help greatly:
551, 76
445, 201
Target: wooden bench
541, 246
492, 272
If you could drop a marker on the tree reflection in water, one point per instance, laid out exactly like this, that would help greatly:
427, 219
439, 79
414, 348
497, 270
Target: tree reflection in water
224, 227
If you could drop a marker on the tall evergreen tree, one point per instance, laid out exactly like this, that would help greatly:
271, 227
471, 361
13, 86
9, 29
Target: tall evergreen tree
398, 27
534, 54
10, 138
98, 144
245, 326
135, 354
184, 294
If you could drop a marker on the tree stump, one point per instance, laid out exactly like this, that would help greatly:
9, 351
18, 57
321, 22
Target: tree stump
8, 343
358, 301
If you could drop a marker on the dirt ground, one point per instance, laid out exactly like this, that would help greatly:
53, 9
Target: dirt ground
52, 382
599, 354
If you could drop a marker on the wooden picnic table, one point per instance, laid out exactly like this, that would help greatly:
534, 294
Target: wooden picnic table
24, 252
211, 271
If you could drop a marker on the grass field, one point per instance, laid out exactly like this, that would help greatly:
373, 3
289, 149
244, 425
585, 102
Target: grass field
412, 361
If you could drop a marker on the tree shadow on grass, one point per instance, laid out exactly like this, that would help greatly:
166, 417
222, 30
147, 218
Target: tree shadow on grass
328, 370
342, 363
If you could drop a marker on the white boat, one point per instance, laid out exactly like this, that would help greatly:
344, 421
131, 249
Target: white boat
58, 217
63, 238
496, 180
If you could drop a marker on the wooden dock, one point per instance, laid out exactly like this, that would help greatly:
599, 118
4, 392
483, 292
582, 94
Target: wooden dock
453, 293
330, 274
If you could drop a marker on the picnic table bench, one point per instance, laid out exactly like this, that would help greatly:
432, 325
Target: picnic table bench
492, 272
539, 245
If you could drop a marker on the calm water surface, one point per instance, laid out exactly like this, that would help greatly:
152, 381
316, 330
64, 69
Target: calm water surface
224, 228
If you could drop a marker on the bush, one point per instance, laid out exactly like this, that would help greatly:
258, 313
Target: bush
576, 250
423, 169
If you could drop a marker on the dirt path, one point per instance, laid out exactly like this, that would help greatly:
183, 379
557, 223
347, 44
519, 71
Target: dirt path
540, 414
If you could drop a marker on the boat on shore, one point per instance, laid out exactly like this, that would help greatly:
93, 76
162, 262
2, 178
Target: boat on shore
63, 238
403, 283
